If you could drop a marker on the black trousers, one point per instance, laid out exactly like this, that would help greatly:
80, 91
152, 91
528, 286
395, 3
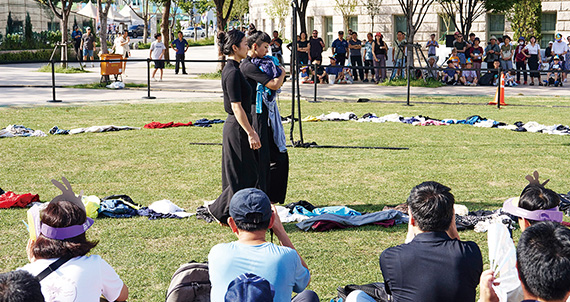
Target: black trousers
357, 61
340, 58
180, 60
521, 66
239, 167
369, 63
273, 166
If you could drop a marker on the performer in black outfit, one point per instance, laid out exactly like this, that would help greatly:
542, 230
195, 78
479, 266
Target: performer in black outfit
239, 164
273, 163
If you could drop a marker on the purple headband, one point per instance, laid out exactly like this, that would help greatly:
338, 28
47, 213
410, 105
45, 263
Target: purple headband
537, 215
67, 232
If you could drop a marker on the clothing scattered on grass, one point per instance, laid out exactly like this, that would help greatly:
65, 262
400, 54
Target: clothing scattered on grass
354, 221
337, 210
20, 130
10, 199
97, 129
203, 213
479, 220
55, 130
204, 122
157, 125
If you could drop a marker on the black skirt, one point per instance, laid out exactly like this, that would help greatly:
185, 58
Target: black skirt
533, 65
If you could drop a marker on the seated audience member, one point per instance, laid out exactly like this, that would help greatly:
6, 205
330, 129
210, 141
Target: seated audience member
319, 74
57, 231
333, 70
450, 76
495, 72
535, 204
431, 71
469, 77
251, 216
20, 286
435, 265
305, 75
453, 57
543, 264
510, 78
555, 75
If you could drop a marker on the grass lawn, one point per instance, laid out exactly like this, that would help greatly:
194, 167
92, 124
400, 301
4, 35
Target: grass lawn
482, 166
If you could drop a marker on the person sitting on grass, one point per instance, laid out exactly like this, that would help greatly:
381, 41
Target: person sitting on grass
469, 77
510, 78
333, 69
20, 286
495, 72
251, 215
554, 76
305, 75
543, 265
435, 265
431, 71
319, 74
57, 236
450, 76
453, 57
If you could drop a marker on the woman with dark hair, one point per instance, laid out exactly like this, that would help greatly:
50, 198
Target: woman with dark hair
380, 50
57, 236
264, 76
534, 59
239, 164
303, 49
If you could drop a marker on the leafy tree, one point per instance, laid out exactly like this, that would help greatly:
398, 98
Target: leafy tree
469, 10
525, 18
373, 9
28, 32
239, 9
9, 24
278, 9
103, 13
346, 8
145, 15
414, 12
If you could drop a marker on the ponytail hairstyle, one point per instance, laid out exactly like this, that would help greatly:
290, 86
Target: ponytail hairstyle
228, 39
256, 37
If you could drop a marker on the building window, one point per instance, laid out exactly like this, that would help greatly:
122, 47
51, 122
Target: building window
18, 27
496, 25
310, 25
548, 24
400, 24
53, 26
446, 26
329, 34
353, 23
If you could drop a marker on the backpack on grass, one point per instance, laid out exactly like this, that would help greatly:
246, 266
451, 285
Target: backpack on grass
375, 290
191, 283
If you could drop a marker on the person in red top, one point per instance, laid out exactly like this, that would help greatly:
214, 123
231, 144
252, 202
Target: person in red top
475, 52
521, 56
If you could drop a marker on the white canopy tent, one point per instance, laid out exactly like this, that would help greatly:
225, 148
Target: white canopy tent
128, 12
114, 16
89, 11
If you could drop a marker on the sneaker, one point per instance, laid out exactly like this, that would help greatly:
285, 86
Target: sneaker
84, 65
92, 65
524, 83
154, 79
518, 82
365, 81
531, 84
160, 80
184, 73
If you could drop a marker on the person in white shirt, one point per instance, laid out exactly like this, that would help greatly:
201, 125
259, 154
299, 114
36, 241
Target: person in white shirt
560, 49
157, 49
57, 236
121, 45
534, 59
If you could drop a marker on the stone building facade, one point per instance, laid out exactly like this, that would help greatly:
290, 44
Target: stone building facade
41, 16
324, 17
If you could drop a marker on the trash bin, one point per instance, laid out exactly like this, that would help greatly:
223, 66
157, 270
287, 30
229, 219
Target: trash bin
111, 68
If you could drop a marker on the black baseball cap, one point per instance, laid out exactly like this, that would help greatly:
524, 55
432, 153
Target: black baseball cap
250, 205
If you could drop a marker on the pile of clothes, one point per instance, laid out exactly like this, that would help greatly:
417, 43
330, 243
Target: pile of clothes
12, 200
20, 130
421, 120
123, 206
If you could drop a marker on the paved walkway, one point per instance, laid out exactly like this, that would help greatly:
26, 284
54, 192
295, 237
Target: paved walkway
16, 83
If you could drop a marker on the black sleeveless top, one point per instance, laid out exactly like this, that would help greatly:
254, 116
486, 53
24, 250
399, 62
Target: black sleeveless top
377, 49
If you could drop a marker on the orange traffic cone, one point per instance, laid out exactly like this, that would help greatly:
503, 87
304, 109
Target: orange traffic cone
500, 94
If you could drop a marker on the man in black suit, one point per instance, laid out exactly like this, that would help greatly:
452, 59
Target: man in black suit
435, 265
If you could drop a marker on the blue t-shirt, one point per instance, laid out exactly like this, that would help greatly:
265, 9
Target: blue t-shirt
333, 69
340, 46
76, 33
180, 45
279, 265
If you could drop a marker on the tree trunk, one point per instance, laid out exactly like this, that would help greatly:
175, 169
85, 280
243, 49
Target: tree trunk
145, 34
302, 22
372, 26
103, 23
64, 38
410, 39
164, 28
221, 25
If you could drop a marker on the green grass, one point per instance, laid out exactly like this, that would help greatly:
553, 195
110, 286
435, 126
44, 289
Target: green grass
482, 166
97, 85
414, 83
59, 69
216, 75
